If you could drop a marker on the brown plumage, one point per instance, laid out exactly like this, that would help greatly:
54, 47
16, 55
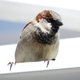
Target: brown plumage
39, 39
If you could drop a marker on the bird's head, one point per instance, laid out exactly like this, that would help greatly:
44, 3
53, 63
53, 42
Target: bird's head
48, 20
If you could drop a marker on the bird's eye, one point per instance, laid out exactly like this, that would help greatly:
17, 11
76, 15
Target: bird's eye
50, 20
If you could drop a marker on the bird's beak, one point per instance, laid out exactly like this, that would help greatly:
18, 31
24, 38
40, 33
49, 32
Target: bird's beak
59, 23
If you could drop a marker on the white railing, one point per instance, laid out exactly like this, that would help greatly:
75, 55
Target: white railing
67, 64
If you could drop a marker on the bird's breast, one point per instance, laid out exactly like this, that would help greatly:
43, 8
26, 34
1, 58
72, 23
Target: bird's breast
38, 52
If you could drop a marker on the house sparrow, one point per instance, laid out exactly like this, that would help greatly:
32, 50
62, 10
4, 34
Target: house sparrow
39, 39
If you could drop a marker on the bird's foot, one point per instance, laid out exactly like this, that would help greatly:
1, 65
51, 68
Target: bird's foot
48, 61
11, 63
53, 59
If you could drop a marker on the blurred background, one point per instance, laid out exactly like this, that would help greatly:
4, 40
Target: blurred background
15, 14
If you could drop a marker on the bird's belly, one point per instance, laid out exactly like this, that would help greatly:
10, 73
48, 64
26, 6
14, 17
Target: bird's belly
32, 51
41, 53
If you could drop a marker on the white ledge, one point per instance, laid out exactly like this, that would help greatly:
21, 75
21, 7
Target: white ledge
67, 62
68, 4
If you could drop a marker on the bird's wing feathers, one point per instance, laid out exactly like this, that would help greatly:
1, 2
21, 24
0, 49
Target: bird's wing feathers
24, 43
27, 32
26, 25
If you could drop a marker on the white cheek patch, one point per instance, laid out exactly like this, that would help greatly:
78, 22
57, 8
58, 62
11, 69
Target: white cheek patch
48, 26
44, 25
42, 28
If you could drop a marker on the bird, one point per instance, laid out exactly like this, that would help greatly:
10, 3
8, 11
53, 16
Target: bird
39, 40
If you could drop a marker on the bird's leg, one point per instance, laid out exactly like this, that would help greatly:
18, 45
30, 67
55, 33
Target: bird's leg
11, 63
47, 62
